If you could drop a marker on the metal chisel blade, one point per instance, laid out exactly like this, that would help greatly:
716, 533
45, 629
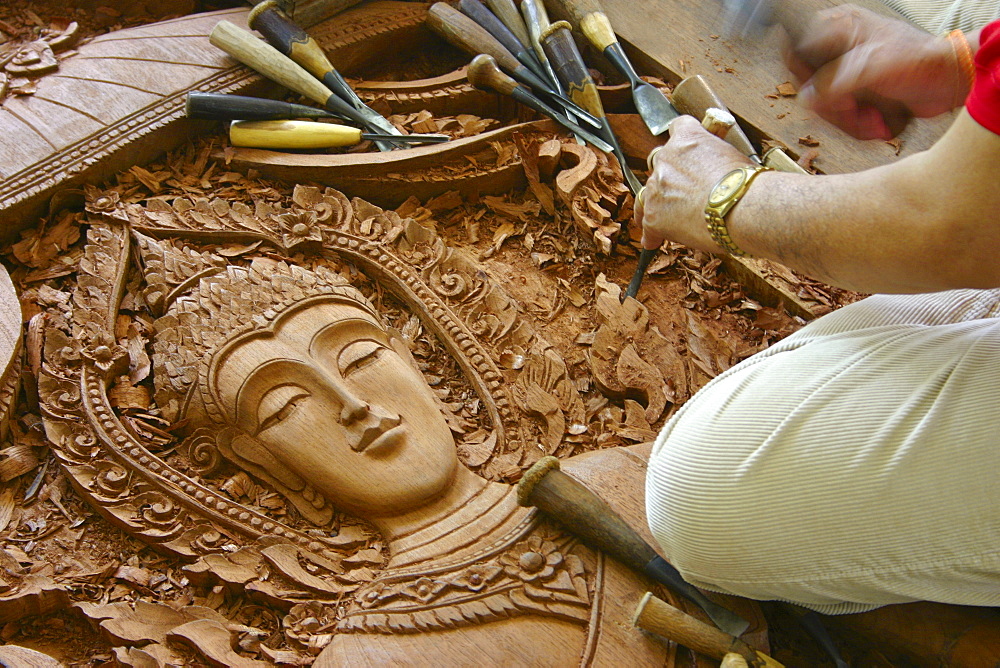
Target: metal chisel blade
653, 107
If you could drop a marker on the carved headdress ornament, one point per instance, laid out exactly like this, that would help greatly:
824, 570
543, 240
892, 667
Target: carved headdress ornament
206, 302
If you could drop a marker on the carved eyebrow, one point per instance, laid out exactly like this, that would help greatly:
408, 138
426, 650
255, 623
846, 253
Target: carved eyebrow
269, 370
333, 329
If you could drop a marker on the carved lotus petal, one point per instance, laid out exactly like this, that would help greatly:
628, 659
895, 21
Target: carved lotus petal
106, 357
477, 576
424, 589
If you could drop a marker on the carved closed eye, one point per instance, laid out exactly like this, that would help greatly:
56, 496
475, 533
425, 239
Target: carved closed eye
357, 355
278, 404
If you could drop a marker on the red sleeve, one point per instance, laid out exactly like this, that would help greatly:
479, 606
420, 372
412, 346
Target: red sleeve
983, 103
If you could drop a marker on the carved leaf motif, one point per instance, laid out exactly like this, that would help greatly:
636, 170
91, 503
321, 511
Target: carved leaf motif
145, 621
213, 640
637, 375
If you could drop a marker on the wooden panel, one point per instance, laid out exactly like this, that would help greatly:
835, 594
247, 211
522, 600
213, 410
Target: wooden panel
674, 39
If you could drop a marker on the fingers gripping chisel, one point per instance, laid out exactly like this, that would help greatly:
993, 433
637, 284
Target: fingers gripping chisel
654, 109
291, 40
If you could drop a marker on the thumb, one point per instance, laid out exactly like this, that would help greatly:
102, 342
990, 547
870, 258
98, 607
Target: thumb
685, 127
651, 240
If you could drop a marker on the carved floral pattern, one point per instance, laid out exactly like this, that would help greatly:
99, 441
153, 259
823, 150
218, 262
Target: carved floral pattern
538, 572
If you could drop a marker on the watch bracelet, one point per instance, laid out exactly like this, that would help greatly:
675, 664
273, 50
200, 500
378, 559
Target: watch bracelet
716, 223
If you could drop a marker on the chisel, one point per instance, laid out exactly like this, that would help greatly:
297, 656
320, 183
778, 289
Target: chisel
479, 13
484, 73
288, 38
654, 109
585, 514
718, 122
472, 38
537, 20
506, 11
223, 107
569, 66
288, 134
278, 67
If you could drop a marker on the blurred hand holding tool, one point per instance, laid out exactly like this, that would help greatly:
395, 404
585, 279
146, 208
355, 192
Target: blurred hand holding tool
288, 38
484, 73
288, 134
582, 512
223, 107
657, 616
270, 62
718, 122
833, 59
654, 109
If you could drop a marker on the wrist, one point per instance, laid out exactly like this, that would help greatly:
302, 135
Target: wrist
723, 198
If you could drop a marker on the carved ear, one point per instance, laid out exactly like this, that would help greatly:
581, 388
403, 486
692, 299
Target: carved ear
250, 454
398, 344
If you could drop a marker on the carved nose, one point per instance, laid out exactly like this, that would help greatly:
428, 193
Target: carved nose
353, 411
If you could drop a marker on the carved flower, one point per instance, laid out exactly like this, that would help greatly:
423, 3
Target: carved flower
105, 203
424, 589
306, 619
107, 358
534, 559
375, 594
477, 576
298, 227
110, 480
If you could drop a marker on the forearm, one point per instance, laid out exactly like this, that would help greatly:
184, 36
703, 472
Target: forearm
925, 223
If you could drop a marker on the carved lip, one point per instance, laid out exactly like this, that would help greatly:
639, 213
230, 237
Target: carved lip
386, 442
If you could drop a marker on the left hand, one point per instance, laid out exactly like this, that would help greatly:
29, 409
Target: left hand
684, 172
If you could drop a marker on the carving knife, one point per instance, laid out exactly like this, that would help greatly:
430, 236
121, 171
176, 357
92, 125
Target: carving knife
273, 64
472, 38
223, 107
289, 134
290, 39
587, 515
569, 66
479, 13
654, 109
484, 73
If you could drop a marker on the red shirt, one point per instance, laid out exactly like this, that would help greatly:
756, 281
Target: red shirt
983, 103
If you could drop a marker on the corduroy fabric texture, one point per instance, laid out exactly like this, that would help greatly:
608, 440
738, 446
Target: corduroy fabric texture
941, 16
852, 465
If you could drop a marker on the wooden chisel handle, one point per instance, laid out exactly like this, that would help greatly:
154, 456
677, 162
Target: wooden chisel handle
292, 134
268, 19
472, 38
657, 616
693, 96
537, 20
276, 66
592, 20
479, 13
507, 12
569, 66
223, 107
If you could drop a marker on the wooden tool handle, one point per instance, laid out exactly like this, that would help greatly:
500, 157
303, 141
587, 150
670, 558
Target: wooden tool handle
576, 10
694, 96
284, 35
467, 35
507, 12
657, 616
292, 134
222, 107
585, 513
570, 68
478, 12
267, 60
718, 121
483, 72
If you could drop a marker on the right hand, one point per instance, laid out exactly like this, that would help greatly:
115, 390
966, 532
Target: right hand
867, 74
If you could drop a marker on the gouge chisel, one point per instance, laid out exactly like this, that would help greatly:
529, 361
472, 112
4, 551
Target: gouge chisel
289, 134
288, 38
572, 71
654, 109
278, 67
472, 38
537, 20
506, 10
585, 514
484, 73
223, 107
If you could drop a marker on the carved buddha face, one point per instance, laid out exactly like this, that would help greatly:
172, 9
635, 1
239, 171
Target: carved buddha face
335, 398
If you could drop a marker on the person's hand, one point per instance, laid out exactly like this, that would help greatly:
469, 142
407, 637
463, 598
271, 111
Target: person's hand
867, 74
685, 170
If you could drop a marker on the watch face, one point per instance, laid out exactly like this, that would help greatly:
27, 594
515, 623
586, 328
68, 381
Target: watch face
729, 184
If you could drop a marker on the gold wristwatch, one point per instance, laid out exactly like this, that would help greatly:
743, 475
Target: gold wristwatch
724, 196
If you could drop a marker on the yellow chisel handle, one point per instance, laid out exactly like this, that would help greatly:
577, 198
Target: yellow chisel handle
292, 134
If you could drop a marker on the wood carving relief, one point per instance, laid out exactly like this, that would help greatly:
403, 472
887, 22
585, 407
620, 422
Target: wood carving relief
292, 449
